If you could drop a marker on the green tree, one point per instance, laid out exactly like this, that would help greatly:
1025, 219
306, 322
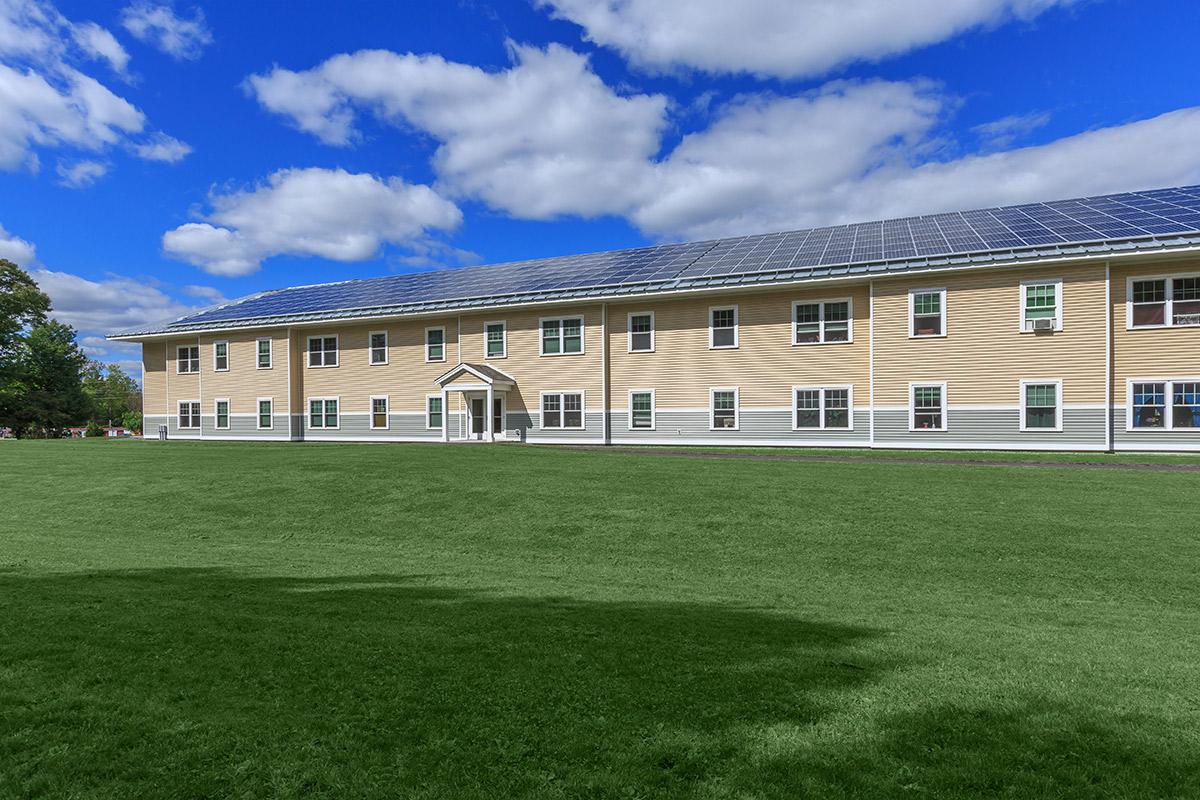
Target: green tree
22, 305
132, 421
50, 385
113, 393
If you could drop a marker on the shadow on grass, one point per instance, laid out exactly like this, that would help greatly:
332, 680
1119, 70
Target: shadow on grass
198, 683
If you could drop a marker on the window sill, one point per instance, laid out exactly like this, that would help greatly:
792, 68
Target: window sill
495, 358
265, 368
220, 370
723, 347
377, 363
322, 366
635, 352
815, 344
823, 430
556, 355
927, 336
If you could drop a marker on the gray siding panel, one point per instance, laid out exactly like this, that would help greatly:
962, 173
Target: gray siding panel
1187, 439
523, 421
1081, 427
358, 427
771, 426
245, 427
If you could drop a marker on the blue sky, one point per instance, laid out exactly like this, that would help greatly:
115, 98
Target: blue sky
160, 157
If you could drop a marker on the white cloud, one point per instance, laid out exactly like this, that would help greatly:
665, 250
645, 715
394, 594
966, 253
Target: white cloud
161, 147
784, 38
1001, 133
15, 249
99, 42
329, 213
159, 26
79, 174
210, 294
106, 305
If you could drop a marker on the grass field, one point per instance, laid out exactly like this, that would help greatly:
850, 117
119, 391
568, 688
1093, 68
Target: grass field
241, 620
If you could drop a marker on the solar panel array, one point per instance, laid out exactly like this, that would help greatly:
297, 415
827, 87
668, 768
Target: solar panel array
1067, 222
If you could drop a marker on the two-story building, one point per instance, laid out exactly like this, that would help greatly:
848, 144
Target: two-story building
1069, 325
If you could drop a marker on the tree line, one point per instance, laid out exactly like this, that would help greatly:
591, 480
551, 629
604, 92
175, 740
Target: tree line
47, 383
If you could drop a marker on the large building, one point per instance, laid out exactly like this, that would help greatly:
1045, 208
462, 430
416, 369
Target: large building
1069, 325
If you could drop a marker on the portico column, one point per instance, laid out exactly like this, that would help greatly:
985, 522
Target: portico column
445, 415
491, 400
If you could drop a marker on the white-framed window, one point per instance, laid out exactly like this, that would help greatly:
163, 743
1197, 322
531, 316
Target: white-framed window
562, 410
1163, 301
561, 336
433, 412
1163, 404
823, 408
1041, 405
379, 412
435, 344
495, 339
926, 313
266, 413
822, 321
1041, 300
189, 415
221, 413
323, 413
723, 409
187, 358
927, 407
641, 332
722, 327
377, 348
641, 410
221, 356
323, 351
263, 353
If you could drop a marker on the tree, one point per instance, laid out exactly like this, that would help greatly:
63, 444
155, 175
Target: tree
22, 306
50, 392
113, 393
132, 421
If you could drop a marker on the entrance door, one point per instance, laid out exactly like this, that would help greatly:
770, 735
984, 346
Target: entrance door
478, 404
497, 417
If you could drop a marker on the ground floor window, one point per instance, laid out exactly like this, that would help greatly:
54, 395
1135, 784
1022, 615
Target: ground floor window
563, 410
641, 410
379, 412
1040, 406
323, 412
1165, 405
433, 412
823, 408
1185, 404
1149, 405
723, 409
222, 415
189, 415
927, 402
266, 419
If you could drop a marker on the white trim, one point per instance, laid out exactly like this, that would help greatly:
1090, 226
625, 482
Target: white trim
541, 426
217, 415
849, 301
912, 408
432, 396
561, 338
1168, 405
1168, 300
503, 339
736, 326
214, 349
199, 424
871, 362
387, 346
737, 406
337, 351
189, 359
821, 389
912, 328
653, 410
387, 412
425, 344
1058, 406
1058, 302
270, 351
308, 426
629, 331
1109, 423
605, 411
258, 413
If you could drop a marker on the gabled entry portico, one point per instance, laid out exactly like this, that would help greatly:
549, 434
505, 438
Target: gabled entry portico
485, 390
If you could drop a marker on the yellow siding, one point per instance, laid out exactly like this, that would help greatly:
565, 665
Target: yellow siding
1153, 352
185, 386
154, 378
765, 364
985, 356
244, 383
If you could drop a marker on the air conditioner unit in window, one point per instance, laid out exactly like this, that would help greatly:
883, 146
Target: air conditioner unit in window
1044, 324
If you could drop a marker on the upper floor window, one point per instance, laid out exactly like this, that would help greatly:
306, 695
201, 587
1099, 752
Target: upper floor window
641, 332
220, 356
1041, 306
927, 312
562, 410
822, 321
379, 412
723, 409
377, 346
562, 336
189, 414
187, 358
435, 344
264, 353
823, 408
723, 327
322, 351
1164, 302
641, 410
495, 336
1149, 407
927, 407
1041, 405
266, 418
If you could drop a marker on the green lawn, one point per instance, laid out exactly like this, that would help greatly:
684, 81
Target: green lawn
238, 620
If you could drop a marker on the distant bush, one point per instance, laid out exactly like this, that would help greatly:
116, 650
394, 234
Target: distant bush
94, 429
132, 421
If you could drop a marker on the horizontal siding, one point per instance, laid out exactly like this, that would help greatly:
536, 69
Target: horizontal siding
1154, 352
358, 426
1123, 439
244, 383
1081, 427
775, 426
154, 378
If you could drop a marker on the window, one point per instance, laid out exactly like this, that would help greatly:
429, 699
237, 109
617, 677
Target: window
1185, 405
435, 344
562, 410
723, 409
824, 408
221, 413
562, 336
323, 412
377, 347
433, 411
820, 322
1041, 409
1164, 301
264, 353
1149, 410
722, 327
1041, 300
187, 359
928, 407
189, 415
495, 336
220, 356
1149, 405
641, 332
322, 351
266, 419
641, 410
927, 315
379, 412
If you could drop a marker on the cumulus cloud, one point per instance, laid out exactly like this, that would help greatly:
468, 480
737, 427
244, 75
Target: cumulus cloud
106, 305
99, 42
80, 173
798, 38
15, 249
159, 26
329, 213
161, 147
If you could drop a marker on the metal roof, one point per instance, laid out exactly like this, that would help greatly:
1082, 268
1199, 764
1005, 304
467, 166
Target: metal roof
1089, 226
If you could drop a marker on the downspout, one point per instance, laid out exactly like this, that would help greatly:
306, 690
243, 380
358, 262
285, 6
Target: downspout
1108, 359
464, 424
604, 371
200, 386
290, 388
871, 360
